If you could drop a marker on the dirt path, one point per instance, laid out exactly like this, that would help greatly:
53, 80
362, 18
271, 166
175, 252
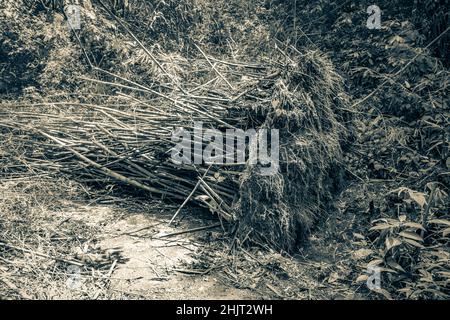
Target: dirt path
129, 251
154, 266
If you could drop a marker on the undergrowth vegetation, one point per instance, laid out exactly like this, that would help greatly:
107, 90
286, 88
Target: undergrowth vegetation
400, 164
389, 89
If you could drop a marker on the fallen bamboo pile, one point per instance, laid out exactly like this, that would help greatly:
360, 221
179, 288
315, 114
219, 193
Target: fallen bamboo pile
126, 139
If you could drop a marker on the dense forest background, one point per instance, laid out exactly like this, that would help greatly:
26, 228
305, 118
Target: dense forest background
392, 209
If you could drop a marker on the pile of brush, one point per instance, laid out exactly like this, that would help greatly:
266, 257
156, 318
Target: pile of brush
129, 141
129, 138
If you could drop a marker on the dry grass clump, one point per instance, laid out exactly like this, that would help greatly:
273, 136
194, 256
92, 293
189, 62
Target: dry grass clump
167, 23
281, 209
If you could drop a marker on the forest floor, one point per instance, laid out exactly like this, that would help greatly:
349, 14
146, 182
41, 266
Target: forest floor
129, 251
60, 239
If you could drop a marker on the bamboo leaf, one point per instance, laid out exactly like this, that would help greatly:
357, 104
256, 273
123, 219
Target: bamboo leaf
411, 235
392, 242
414, 225
440, 221
414, 243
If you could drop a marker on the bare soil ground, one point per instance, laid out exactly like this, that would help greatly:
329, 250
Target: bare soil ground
154, 267
66, 247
